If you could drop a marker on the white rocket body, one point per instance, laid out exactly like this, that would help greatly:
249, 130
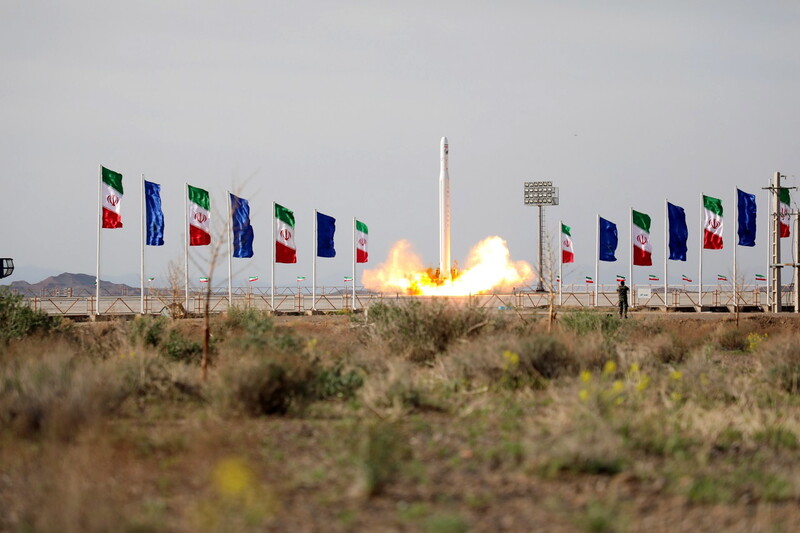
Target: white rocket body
444, 212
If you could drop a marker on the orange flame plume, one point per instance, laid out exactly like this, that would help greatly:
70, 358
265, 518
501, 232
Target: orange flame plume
489, 267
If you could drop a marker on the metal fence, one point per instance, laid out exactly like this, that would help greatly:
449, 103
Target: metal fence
331, 299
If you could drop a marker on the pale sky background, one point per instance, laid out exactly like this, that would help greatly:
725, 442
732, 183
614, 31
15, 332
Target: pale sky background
340, 106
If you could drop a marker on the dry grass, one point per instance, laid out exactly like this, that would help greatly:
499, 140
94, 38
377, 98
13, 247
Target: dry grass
323, 424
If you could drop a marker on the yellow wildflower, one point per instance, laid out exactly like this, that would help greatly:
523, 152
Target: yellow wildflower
583, 395
586, 376
676, 375
511, 358
232, 477
617, 387
634, 368
643, 383
609, 368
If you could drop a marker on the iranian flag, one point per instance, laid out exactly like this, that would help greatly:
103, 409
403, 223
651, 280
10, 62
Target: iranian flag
362, 234
112, 198
783, 198
567, 252
640, 234
285, 249
199, 215
712, 233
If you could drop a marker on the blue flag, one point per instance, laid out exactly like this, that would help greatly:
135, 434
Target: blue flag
678, 232
154, 219
326, 227
241, 228
747, 218
608, 240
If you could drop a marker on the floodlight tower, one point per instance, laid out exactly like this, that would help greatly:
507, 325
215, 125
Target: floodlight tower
541, 194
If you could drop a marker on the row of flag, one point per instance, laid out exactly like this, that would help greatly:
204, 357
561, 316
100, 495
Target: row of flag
199, 215
684, 278
678, 230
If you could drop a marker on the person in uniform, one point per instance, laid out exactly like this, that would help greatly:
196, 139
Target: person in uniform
622, 293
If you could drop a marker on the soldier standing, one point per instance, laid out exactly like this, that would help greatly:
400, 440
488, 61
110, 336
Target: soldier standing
622, 293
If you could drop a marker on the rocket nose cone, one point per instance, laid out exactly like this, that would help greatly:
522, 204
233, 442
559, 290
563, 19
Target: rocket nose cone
444, 141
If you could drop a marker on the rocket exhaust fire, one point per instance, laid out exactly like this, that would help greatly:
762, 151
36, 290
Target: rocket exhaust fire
488, 267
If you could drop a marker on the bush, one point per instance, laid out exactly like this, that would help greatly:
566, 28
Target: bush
177, 348
267, 385
545, 356
255, 330
56, 393
335, 382
383, 449
782, 364
669, 349
17, 320
584, 321
149, 330
422, 330
733, 340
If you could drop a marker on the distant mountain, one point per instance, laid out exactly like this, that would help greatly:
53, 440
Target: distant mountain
78, 284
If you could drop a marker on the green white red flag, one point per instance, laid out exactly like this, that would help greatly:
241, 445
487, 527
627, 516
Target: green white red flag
784, 200
589, 279
640, 234
112, 198
567, 251
362, 235
199, 216
285, 248
712, 232
761, 277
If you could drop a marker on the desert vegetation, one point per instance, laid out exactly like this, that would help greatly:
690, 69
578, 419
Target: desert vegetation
436, 417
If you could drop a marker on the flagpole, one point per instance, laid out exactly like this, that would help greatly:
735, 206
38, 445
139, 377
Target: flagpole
186, 246
630, 252
314, 266
561, 264
736, 221
666, 233
99, 224
597, 263
141, 269
702, 235
230, 250
272, 276
353, 304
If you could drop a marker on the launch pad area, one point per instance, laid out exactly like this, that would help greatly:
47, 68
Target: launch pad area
331, 300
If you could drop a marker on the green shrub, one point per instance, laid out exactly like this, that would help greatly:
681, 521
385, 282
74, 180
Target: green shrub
782, 364
733, 340
266, 385
382, 451
669, 349
17, 320
335, 382
584, 321
545, 356
177, 348
422, 330
253, 329
148, 330
777, 437
57, 393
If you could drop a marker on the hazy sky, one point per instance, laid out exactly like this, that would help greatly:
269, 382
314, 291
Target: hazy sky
339, 106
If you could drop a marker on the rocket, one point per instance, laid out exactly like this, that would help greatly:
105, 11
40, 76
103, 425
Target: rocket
444, 212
